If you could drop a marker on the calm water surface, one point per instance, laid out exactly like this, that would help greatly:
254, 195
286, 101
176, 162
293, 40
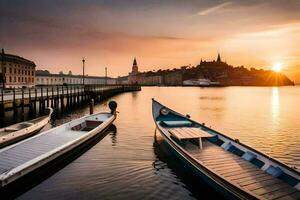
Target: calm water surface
129, 165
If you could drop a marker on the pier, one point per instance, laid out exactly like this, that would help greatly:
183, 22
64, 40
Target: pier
60, 98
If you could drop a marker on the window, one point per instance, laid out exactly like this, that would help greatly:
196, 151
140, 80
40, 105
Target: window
32, 73
19, 71
32, 80
15, 70
25, 79
10, 70
10, 79
15, 79
22, 79
19, 79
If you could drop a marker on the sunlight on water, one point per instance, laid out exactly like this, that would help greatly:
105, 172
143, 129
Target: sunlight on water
127, 164
275, 102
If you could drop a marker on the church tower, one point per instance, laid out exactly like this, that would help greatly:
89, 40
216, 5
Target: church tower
135, 68
219, 58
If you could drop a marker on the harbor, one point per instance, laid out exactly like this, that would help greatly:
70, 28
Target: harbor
115, 165
34, 102
177, 100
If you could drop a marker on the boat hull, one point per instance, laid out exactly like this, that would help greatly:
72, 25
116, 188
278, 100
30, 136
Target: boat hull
19, 172
25, 183
196, 169
25, 132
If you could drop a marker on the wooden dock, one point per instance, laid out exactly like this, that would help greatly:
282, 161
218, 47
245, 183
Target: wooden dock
60, 98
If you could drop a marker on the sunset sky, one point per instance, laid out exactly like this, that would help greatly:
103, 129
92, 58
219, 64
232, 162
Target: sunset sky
160, 33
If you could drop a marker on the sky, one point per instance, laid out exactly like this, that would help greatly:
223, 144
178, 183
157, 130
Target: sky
161, 34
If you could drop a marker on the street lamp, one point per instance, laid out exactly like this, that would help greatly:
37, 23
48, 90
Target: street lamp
83, 61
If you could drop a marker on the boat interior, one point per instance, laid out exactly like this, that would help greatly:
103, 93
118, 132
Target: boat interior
86, 125
17, 127
239, 165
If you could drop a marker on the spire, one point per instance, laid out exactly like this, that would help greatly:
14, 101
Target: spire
134, 62
135, 69
219, 58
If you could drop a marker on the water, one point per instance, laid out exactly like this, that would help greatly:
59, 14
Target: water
129, 165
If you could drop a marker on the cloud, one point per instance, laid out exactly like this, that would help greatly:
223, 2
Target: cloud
214, 8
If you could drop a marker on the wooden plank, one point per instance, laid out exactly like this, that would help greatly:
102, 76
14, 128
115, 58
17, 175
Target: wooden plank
216, 162
251, 172
229, 172
280, 193
292, 196
270, 188
232, 167
261, 184
251, 179
211, 159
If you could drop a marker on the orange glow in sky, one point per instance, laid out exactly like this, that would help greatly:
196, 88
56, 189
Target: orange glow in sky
160, 34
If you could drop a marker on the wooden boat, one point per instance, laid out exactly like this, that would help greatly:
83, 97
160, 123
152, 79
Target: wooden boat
22, 158
22, 130
234, 169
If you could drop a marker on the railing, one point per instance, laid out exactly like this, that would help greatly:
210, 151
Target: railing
46, 91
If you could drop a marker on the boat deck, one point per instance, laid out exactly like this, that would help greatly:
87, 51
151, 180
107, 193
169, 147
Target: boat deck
28, 150
242, 173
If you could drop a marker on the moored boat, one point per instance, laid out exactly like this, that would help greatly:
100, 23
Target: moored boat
20, 159
234, 169
22, 130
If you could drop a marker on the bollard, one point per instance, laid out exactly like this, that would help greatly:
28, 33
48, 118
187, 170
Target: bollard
92, 106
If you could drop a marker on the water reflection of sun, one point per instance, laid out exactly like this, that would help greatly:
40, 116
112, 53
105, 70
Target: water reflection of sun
275, 103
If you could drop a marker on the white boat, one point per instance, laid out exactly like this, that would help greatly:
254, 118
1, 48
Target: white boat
202, 82
22, 130
24, 157
232, 168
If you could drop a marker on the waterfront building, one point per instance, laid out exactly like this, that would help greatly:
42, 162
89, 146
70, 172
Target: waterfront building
133, 75
44, 77
16, 71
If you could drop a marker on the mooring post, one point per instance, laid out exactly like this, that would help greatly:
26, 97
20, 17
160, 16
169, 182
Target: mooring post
77, 95
92, 106
2, 108
52, 97
68, 97
62, 105
14, 104
47, 97
29, 100
35, 101
22, 110
41, 102
57, 99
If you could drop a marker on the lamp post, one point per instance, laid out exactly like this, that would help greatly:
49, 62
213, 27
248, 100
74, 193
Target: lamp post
83, 61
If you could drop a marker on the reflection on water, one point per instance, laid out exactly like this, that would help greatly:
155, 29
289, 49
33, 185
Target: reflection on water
126, 164
275, 104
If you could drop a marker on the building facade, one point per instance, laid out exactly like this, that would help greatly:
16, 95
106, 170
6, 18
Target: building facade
16, 72
44, 77
133, 75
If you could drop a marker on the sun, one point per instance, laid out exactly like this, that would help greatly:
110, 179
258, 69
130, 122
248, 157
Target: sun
277, 67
